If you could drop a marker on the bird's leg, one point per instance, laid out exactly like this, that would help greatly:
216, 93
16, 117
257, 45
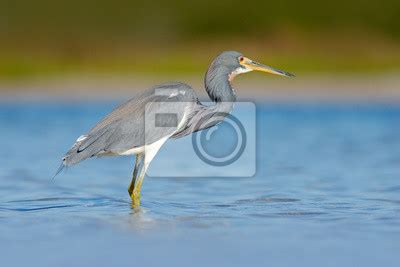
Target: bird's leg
147, 157
138, 186
138, 161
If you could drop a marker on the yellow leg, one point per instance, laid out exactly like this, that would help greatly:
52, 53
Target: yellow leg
135, 173
137, 181
135, 196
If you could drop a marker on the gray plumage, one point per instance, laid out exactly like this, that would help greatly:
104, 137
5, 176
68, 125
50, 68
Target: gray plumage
131, 126
124, 128
171, 110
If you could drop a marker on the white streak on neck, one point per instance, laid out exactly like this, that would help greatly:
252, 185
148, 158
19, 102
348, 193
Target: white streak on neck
236, 72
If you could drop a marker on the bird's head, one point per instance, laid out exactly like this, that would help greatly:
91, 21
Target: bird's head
235, 63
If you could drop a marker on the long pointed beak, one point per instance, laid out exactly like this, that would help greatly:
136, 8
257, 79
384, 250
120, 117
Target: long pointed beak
253, 65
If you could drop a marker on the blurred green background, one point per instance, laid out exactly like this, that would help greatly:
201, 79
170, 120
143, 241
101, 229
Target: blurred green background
44, 38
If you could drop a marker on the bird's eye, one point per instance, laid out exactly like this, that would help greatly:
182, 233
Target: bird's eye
241, 59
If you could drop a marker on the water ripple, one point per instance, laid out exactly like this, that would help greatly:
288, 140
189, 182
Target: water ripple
267, 199
26, 205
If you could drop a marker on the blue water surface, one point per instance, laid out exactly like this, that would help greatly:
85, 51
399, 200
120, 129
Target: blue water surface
326, 193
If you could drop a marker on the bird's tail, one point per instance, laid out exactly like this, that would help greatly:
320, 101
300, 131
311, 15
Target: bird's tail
72, 157
86, 146
83, 148
68, 160
62, 166
77, 154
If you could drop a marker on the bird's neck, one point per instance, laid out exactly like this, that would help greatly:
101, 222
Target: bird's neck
219, 89
218, 85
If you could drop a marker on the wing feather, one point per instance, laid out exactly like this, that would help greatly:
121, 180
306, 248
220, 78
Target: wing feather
125, 127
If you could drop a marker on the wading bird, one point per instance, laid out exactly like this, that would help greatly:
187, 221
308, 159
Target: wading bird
143, 124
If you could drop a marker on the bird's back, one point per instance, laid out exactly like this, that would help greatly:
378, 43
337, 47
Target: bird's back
133, 124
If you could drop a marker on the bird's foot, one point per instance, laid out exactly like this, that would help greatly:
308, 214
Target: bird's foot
135, 196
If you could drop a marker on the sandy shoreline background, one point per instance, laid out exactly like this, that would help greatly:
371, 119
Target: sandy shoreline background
338, 88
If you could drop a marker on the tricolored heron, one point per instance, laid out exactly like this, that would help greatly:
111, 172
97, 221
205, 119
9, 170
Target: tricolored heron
124, 131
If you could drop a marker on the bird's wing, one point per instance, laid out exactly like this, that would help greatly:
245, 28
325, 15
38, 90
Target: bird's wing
159, 116
137, 122
168, 92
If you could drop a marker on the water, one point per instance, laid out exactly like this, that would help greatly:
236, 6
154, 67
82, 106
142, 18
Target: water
326, 193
